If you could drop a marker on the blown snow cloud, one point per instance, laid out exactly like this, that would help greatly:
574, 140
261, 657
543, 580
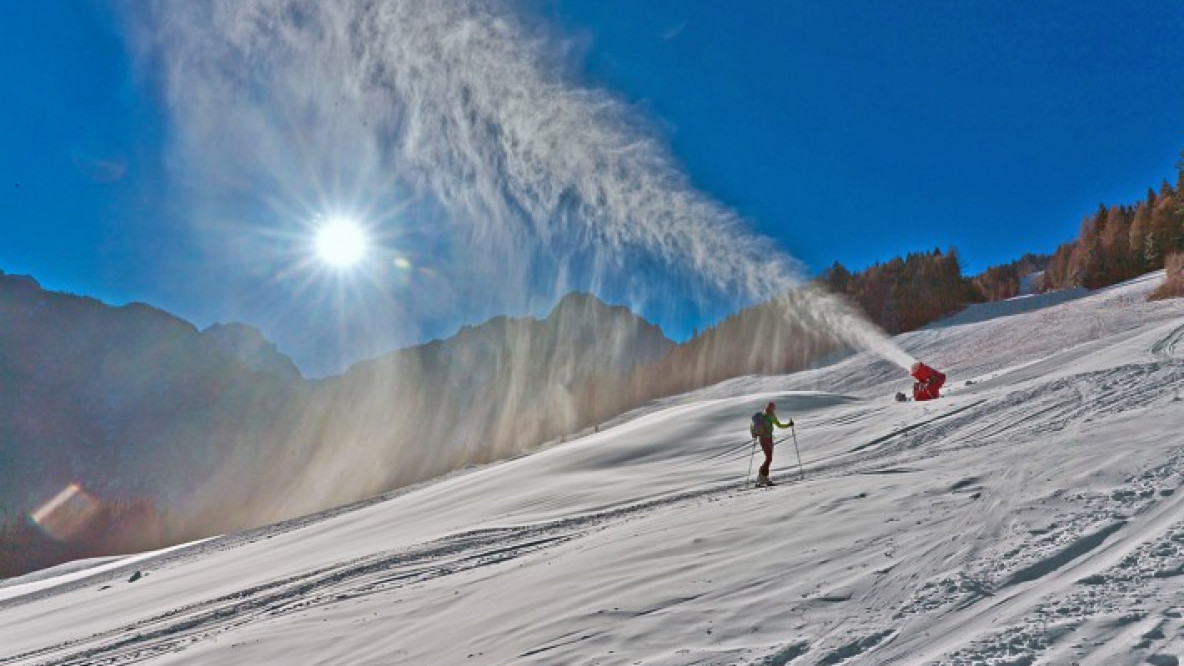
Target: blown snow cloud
539, 185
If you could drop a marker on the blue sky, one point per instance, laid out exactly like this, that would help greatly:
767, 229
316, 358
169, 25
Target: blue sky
857, 131
77, 153
852, 131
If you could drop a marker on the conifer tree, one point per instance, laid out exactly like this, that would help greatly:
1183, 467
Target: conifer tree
999, 282
1163, 236
1084, 261
838, 278
1179, 196
1057, 274
1116, 245
1180, 175
1140, 230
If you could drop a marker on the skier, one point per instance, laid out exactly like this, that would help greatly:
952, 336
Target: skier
766, 439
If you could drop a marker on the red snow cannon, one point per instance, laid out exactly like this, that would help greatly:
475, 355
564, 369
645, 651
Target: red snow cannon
929, 382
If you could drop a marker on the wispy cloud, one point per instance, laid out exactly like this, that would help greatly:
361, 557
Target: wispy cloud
675, 31
99, 169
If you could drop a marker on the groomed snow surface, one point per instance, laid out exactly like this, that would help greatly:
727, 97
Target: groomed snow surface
1033, 515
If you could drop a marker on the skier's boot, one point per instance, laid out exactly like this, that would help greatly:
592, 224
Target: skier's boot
762, 481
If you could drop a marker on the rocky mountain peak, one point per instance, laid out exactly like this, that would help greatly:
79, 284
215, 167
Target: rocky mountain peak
248, 345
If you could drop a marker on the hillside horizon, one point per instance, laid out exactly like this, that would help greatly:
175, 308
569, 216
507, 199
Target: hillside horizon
290, 418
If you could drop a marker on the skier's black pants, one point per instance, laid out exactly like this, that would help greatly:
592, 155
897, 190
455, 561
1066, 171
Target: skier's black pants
767, 447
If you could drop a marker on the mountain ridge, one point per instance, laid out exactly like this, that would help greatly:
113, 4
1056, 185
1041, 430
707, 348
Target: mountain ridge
217, 430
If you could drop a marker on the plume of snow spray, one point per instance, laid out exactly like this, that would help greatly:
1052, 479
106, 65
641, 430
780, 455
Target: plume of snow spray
458, 100
467, 105
818, 309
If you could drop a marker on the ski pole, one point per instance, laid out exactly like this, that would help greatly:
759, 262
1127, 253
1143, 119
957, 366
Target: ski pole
794, 432
750, 458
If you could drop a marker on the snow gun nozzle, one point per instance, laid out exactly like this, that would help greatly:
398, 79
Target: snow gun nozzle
929, 382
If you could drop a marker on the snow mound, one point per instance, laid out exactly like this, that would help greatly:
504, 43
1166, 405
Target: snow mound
980, 312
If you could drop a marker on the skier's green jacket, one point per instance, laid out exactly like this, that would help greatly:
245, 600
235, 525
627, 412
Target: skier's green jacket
771, 420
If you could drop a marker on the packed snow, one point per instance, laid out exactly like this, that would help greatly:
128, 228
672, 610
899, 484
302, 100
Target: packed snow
1032, 515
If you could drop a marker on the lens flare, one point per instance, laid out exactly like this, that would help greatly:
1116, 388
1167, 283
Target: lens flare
68, 514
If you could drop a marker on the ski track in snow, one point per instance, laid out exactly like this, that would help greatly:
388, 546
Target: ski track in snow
1166, 348
1035, 515
335, 584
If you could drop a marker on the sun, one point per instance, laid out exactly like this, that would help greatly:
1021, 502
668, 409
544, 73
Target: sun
341, 243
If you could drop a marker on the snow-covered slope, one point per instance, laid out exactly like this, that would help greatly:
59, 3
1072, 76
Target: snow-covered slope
1033, 515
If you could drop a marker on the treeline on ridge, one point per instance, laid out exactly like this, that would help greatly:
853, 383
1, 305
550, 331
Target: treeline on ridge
1115, 243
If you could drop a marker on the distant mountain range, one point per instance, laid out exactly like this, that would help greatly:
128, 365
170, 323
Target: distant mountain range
199, 432
178, 433
130, 403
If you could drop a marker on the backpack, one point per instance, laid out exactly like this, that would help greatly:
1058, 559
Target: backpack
759, 427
